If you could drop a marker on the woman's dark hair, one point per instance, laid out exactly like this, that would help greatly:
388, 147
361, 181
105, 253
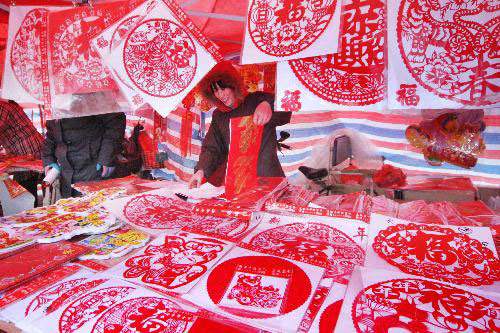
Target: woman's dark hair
223, 75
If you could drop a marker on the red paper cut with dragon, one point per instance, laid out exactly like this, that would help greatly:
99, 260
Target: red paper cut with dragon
438, 253
451, 48
416, 305
355, 74
285, 27
175, 263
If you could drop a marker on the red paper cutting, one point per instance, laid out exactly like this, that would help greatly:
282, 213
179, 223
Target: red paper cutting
248, 271
354, 75
329, 317
36, 260
157, 212
160, 57
38, 283
144, 314
437, 253
313, 243
75, 66
26, 53
229, 229
285, 27
243, 155
90, 306
318, 299
417, 305
175, 263
458, 63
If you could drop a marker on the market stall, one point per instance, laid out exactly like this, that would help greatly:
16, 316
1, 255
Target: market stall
287, 166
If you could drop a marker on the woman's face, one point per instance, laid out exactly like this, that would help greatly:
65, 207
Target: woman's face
226, 96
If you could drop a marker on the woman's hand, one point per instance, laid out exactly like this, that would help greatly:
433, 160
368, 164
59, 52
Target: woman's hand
196, 179
262, 114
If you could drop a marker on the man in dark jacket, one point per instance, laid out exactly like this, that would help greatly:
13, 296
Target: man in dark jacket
223, 89
84, 148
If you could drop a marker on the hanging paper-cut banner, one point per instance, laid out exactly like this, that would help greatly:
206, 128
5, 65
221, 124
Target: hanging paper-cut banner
382, 300
163, 58
278, 30
26, 55
352, 78
455, 254
442, 56
113, 36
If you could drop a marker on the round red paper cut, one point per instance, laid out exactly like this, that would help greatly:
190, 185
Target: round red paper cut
26, 54
451, 48
438, 253
143, 314
157, 212
422, 306
284, 27
160, 58
297, 291
355, 74
311, 242
328, 319
90, 306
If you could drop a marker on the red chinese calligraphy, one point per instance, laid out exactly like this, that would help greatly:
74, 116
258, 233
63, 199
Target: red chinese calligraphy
291, 101
407, 94
422, 306
143, 314
355, 74
438, 253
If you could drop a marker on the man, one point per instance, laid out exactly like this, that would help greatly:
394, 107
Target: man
84, 148
223, 86
19, 137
